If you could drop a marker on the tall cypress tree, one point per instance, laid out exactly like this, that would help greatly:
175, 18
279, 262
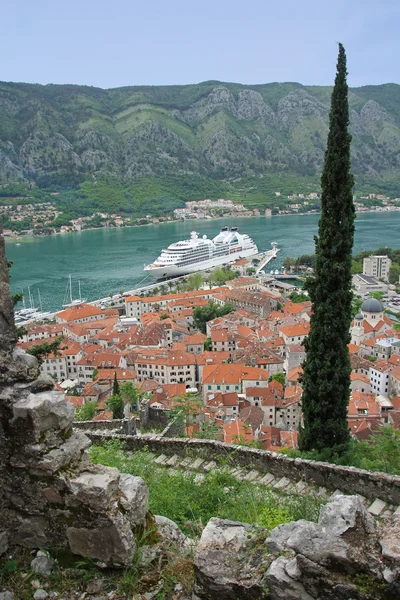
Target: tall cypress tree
115, 385
326, 379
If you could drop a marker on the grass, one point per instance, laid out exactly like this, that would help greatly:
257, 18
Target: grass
381, 453
191, 501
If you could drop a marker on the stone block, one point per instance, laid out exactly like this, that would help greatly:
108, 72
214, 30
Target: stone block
134, 498
160, 459
229, 562
282, 483
252, 476
96, 487
376, 507
210, 466
113, 545
268, 479
47, 410
171, 462
281, 585
196, 464
70, 451
43, 564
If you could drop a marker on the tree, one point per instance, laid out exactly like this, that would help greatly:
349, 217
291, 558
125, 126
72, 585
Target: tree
95, 374
326, 378
207, 344
115, 385
86, 412
394, 274
280, 377
130, 395
194, 281
116, 405
42, 351
203, 314
185, 408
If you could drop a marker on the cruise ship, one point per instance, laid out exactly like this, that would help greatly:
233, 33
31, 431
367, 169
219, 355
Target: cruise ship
201, 253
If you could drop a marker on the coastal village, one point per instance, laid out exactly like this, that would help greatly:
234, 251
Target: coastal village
45, 219
244, 370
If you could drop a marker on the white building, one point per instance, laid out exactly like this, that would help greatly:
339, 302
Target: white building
377, 266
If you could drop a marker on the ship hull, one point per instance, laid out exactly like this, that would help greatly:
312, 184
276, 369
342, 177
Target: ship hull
211, 263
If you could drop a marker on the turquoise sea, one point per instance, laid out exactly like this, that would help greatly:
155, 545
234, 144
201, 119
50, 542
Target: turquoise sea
111, 260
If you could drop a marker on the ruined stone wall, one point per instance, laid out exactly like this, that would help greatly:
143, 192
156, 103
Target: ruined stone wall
122, 426
347, 479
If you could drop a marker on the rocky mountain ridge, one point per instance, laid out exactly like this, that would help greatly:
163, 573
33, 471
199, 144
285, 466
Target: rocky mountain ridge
212, 129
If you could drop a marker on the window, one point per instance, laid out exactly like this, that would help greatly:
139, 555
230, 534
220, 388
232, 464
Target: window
209, 387
218, 387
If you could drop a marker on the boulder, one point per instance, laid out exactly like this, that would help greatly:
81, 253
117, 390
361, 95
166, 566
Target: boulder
172, 537
46, 410
113, 544
230, 561
344, 537
43, 564
281, 585
390, 539
70, 451
95, 487
6, 595
134, 499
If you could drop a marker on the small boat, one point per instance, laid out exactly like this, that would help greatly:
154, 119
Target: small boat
68, 292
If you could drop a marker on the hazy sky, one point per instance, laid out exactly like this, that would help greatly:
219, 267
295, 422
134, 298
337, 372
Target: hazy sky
111, 43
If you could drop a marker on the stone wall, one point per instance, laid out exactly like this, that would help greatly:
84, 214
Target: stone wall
333, 477
122, 426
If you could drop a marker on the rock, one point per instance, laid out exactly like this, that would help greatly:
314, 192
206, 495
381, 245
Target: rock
47, 410
40, 594
42, 564
344, 537
390, 539
32, 533
68, 452
112, 544
96, 586
377, 507
134, 498
6, 595
281, 585
3, 542
230, 560
172, 537
43, 383
96, 487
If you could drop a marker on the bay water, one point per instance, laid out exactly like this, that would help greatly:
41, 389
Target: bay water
111, 260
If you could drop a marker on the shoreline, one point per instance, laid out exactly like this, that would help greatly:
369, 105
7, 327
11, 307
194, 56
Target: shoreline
20, 238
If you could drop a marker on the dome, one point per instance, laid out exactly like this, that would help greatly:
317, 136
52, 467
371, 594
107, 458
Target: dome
359, 317
372, 305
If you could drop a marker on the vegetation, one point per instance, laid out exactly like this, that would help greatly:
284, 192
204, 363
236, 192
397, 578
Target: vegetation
42, 351
86, 412
220, 275
326, 379
380, 453
191, 503
279, 377
297, 297
116, 405
203, 314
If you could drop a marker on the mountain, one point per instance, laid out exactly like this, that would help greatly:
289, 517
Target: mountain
223, 131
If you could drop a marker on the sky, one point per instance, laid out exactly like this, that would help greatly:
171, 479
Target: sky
113, 43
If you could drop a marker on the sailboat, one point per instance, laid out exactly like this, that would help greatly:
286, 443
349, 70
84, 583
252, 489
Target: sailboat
41, 314
26, 313
68, 295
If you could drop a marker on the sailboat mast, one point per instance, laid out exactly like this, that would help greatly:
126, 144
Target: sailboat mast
40, 301
79, 288
70, 288
30, 296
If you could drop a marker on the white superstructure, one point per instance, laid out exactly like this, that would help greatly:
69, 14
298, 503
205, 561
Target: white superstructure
201, 253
